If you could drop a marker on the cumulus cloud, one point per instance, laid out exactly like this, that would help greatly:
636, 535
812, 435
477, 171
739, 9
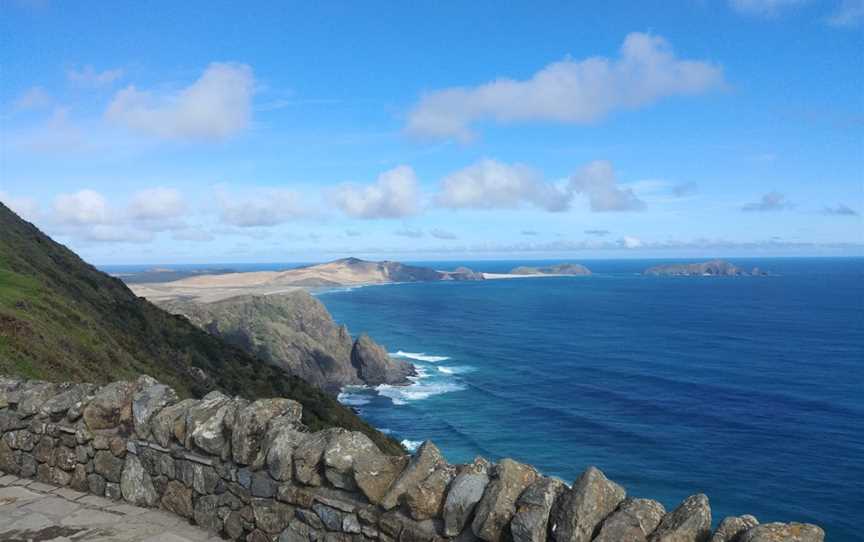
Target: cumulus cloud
763, 8
83, 208
490, 184
568, 91
215, 107
33, 98
26, 208
849, 14
438, 233
772, 201
597, 181
89, 77
192, 234
597, 233
266, 208
157, 204
631, 242
840, 210
409, 232
395, 194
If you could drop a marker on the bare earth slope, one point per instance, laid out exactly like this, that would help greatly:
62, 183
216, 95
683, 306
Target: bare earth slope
294, 331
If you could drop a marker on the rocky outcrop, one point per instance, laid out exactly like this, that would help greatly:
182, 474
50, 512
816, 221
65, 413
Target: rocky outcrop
254, 472
295, 332
574, 269
374, 366
713, 268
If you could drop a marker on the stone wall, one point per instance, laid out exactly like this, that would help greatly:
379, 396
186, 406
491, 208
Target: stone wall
251, 471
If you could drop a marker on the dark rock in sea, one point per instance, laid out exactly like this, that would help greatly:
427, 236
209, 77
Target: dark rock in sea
374, 366
787, 532
690, 521
557, 269
633, 521
580, 511
732, 528
713, 268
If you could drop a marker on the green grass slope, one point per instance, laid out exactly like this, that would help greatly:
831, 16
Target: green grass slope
62, 319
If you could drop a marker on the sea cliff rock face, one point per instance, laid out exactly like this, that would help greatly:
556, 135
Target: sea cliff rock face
713, 268
294, 331
557, 269
271, 479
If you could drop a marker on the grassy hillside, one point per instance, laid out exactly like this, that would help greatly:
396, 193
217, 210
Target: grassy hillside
62, 319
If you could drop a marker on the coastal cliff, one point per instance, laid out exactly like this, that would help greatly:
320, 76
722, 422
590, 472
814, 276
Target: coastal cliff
253, 471
556, 269
295, 332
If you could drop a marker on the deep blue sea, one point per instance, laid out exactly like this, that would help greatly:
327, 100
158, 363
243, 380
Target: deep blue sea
749, 389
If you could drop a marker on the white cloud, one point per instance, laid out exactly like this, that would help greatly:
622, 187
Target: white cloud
192, 234
840, 210
413, 233
83, 208
89, 77
267, 208
33, 98
772, 201
214, 107
157, 204
438, 233
26, 208
631, 242
490, 184
849, 14
597, 181
394, 194
113, 233
763, 8
568, 91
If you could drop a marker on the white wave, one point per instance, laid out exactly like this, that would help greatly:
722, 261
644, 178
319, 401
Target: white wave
353, 399
419, 356
411, 445
455, 370
417, 391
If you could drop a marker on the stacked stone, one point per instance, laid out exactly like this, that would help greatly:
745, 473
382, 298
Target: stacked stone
252, 471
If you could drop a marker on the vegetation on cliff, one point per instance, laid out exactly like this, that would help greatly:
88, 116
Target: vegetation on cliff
62, 319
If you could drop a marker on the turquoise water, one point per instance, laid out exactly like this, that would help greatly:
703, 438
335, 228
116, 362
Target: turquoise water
749, 389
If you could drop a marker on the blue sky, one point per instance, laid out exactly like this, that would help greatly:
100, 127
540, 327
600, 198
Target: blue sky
160, 132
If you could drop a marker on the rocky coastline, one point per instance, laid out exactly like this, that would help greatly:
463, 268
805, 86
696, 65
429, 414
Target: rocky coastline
712, 268
252, 471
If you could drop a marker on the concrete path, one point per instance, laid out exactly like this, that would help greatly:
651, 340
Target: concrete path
31, 511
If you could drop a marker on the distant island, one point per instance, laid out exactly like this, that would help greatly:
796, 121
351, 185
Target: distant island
712, 268
557, 269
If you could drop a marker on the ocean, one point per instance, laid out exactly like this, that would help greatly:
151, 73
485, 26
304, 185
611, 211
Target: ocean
749, 389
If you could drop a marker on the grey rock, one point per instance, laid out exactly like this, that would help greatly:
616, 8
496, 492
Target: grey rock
205, 513
422, 464
330, 517
20, 440
62, 402
531, 521
690, 522
170, 422
205, 425
280, 451
732, 527
298, 532
350, 524
263, 485
110, 407
110, 467
498, 505
271, 516
136, 485
375, 473
633, 521
308, 456
375, 366
784, 532
34, 394
426, 499
112, 491
28, 466
150, 398
252, 424
178, 499
204, 478
342, 450
65, 458
96, 483
580, 510
8, 463
10, 420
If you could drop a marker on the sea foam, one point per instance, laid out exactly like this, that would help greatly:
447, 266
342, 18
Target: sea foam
419, 356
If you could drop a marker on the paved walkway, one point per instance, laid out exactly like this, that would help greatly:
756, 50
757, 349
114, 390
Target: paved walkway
31, 511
